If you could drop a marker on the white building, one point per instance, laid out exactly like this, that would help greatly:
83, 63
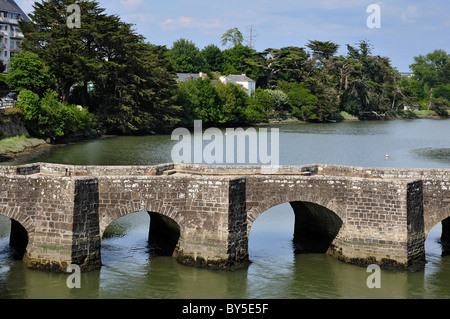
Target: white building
247, 84
10, 34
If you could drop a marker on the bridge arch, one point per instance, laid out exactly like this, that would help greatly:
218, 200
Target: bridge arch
255, 211
110, 214
316, 224
435, 216
164, 229
21, 228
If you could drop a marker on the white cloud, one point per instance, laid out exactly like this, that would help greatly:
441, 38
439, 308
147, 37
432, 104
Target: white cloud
190, 23
410, 14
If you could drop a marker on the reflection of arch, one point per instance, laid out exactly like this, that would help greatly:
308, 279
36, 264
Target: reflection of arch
164, 230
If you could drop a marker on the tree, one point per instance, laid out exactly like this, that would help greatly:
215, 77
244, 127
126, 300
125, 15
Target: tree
48, 117
186, 57
233, 36
260, 103
370, 81
138, 89
30, 73
323, 50
234, 60
133, 80
71, 54
234, 101
288, 63
432, 70
302, 101
213, 58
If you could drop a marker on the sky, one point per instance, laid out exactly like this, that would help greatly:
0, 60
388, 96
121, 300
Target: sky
407, 28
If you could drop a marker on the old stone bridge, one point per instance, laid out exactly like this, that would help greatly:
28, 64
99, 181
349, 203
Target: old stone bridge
202, 215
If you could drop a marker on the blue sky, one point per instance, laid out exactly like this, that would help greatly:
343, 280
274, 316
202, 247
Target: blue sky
408, 27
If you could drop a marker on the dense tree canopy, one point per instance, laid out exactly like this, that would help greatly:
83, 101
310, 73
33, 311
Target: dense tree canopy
133, 80
129, 84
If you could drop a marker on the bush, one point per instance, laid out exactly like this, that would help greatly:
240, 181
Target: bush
49, 117
440, 106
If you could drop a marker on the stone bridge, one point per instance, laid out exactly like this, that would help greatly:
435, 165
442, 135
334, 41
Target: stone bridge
202, 215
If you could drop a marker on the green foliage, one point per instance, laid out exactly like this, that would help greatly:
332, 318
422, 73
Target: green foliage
280, 101
48, 117
259, 105
440, 106
234, 101
213, 58
234, 60
232, 36
186, 57
28, 72
300, 98
133, 80
323, 49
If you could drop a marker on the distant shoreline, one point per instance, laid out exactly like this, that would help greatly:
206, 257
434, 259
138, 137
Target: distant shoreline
25, 149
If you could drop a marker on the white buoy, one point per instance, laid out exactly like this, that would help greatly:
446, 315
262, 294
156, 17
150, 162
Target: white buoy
387, 155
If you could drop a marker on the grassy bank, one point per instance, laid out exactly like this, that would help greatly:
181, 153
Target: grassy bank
420, 114
18, 144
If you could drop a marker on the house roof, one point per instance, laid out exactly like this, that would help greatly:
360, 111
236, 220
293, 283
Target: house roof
11, 6
187, 76
239, 78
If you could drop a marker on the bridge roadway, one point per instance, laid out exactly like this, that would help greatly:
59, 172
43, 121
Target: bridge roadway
202, 215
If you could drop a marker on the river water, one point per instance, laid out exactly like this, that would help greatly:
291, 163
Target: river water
130, 270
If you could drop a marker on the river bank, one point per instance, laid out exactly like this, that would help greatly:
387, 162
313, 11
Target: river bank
21, 146
23, 149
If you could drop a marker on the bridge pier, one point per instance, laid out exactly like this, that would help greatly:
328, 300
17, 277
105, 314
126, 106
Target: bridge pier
389, 232
221, 243
66, 226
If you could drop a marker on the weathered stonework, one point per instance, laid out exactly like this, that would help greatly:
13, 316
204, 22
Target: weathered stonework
202, 215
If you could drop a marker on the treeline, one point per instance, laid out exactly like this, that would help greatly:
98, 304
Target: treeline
106, 76
315, 84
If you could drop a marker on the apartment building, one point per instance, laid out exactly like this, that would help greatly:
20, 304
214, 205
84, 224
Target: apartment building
10, 34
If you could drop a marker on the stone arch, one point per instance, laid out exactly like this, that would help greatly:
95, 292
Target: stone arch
14, 213
255, 211
444, 219
21, 228
434, 217
113, 213
165, 231
317, 220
